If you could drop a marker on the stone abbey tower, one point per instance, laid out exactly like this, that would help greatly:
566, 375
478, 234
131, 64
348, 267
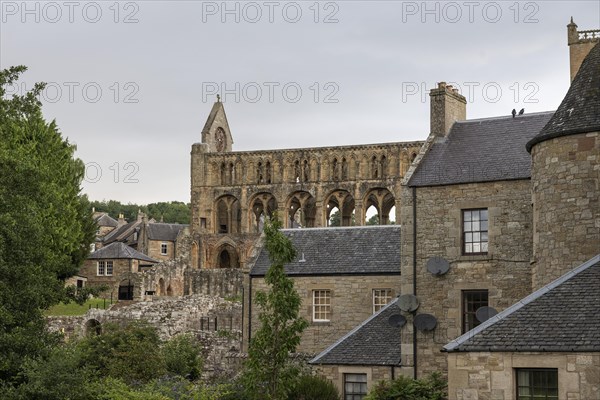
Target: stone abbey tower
233, 191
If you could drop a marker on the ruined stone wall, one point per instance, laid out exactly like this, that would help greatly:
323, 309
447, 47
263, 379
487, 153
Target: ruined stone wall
351, 304
214, 321
504, 271
226, 283
335, 373
566, 201
484, 375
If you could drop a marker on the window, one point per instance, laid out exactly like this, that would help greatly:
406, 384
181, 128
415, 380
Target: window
163, 249
472, 300
355, 386
380, 298
105, 268
321, 305
537, 384
475, 231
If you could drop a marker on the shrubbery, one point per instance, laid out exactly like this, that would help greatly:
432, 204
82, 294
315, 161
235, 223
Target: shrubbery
403, 388
311, 387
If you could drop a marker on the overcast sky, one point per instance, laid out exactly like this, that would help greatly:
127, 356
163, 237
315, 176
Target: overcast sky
132, 83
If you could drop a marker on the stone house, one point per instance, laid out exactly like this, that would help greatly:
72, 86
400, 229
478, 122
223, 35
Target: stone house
111, 265
545, 346
343, 276
158, 240
471, 195
367, 354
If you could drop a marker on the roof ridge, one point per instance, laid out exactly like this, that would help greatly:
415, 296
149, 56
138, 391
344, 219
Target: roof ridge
352, 332
323, 228
505, 117
454, 344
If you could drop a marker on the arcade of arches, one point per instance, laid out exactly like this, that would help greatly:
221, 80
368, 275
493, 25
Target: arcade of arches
234, 192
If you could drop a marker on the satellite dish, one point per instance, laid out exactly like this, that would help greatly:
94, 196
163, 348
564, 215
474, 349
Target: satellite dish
484, 313
438, 265
425, 322
397, 320
408, 302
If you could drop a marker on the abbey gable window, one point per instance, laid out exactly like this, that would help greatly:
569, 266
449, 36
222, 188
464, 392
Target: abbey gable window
475, 231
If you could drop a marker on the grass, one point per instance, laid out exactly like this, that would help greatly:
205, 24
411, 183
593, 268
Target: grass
76, 309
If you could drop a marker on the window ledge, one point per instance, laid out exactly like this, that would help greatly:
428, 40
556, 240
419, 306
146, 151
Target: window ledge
475, 257
321, 323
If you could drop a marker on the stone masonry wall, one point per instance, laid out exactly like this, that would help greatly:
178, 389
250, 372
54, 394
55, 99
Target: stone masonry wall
484, 375
351, 304
504, 271
566, 199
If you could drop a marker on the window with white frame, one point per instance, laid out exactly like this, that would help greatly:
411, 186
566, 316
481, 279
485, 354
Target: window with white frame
321, 305
537, 384
380, 298
163, 249
355, 386
475, 231
105, 268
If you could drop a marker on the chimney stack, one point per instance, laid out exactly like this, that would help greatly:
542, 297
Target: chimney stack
447, 107
121, 220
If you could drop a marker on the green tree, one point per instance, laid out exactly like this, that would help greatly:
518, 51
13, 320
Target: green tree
433, 387
131, 353
268, 372
182, 355
45, 223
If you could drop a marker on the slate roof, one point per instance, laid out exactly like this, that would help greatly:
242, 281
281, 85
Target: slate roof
374, 342
340, 251
106, 220
119, 250
579, 111
481, 150
563, 316
162, 231
121, 232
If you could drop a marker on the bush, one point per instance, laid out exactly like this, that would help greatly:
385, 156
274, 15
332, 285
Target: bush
311, 387
182, 357
403, 388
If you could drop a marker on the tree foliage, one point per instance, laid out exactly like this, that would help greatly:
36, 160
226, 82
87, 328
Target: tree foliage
171, 212
45, 223
432, 387
268, 372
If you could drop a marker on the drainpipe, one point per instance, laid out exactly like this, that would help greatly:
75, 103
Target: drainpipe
249, 309
414, 215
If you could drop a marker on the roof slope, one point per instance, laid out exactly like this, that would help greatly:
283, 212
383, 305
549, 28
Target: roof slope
162, 231
340, 251
119, 250
122, 232
563, 316
579, 111
374, 342
106, 220
481, 150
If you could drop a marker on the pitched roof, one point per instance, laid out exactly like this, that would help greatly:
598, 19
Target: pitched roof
217, 106
106, 220
121, 232
374, 342
119, 250
340, 251
562, 316
578, 112
481, 150
162, 231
